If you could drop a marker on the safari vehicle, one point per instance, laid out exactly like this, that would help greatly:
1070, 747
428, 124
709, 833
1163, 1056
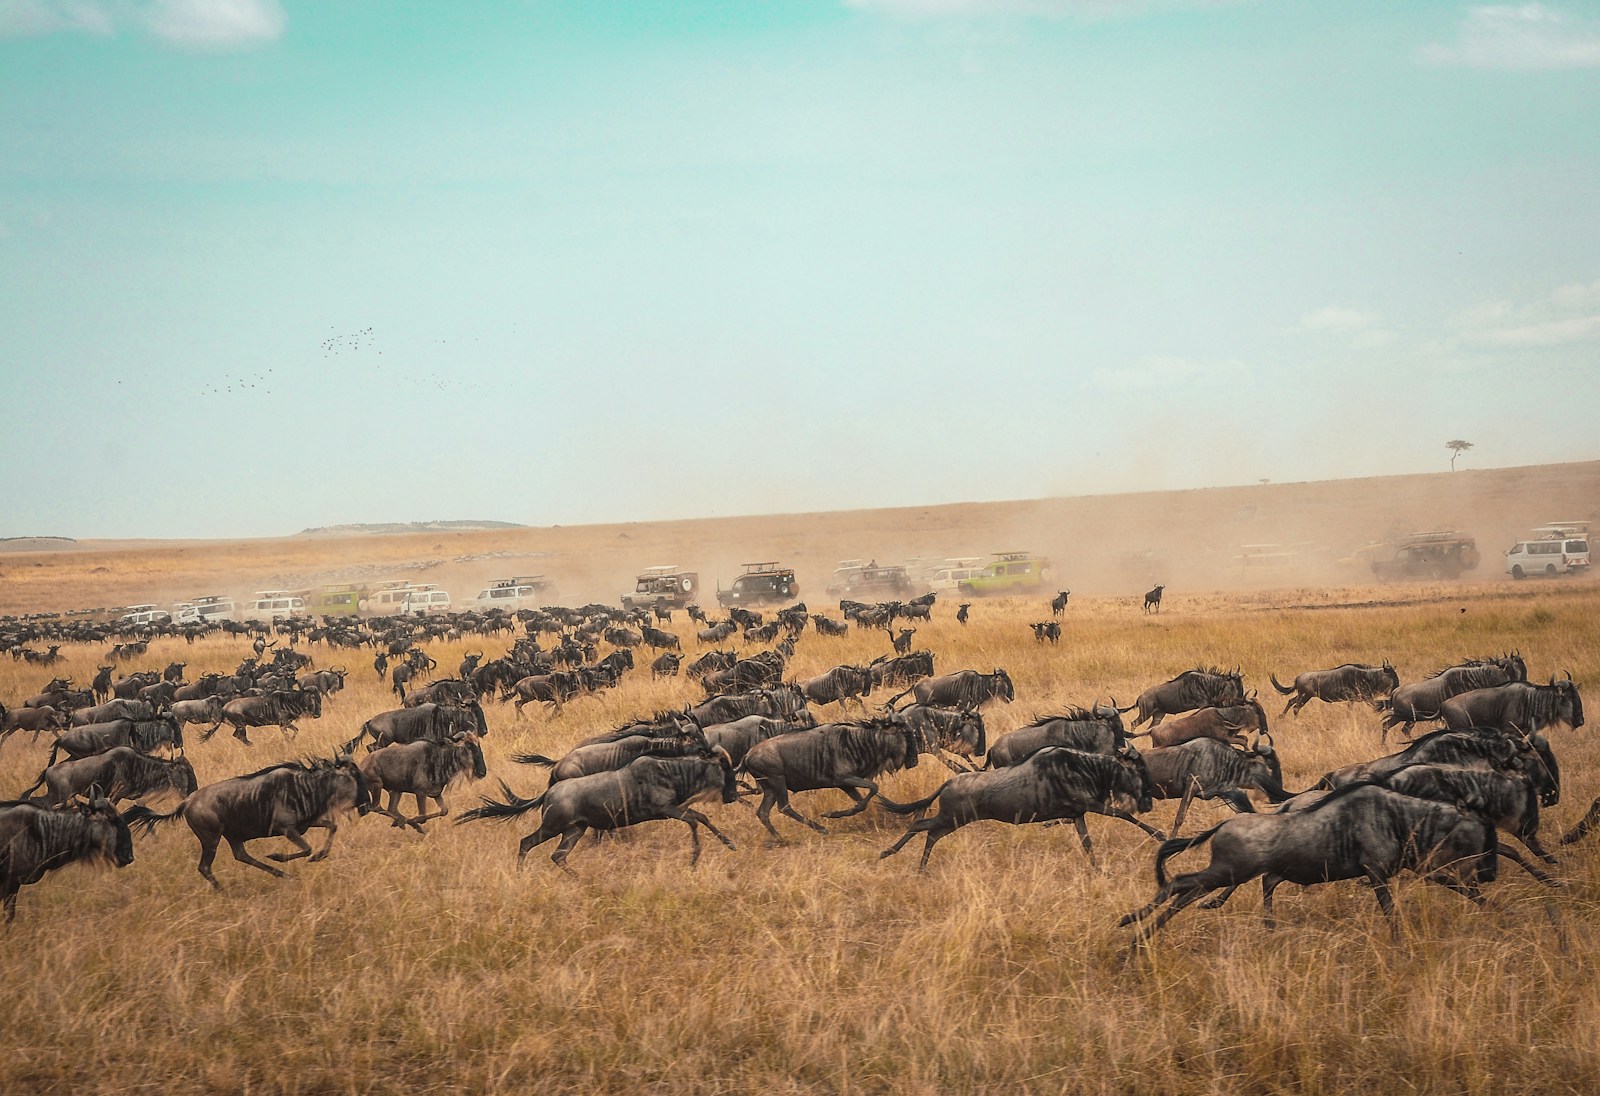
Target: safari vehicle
761, 584
338, 599
1008, 573
953, 572
137, 615
203, 610
1561, 548
665, 587
273, 604
426, 600
1444, 554
854, 579
390, 597
510, 594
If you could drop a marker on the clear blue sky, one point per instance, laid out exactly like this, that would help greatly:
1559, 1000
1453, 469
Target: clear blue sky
589, 261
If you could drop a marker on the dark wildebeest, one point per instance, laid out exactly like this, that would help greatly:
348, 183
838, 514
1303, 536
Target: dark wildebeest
143, 735
783, 702
1053, 784
962, 689
277, 709
1098, 730
665, 665
847, 756
434, 722
423, 769
208, 710
326, 682
710, 662
1225, 724
113, 710
1197, 688
122, 772
127, 688
102, 682
554, 689
1477, 746
1048, 629
740, 736
282, 800
1362, 831
660, 640
1058, 604
1204, 768
1352, 681
1517, 706
960, 732
962, 610
715, 633
614, 753
1508, 799
173, 672
840, 684
902, 669
30, 719
1420, 701
447, 690
1152, 600
648, 790
902, 642
35, 840
826, 627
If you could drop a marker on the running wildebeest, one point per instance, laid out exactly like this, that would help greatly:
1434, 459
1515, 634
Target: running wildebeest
282, 800
277, 709
963, 689
665, 665
783, 702
947, 729
1476, 746
1055, 783
1047, 629
846, 756
122, 772
30, 719
615, 753
435, 722
1097, 730
97, 738
208, 710
838, 685
1352, 681
648, 790
826, 627
1227, 724
1152, 600
423, 769
1362, 831
962, 610
35, 840
901, 669
1200, 687
1420, 701
1204, 768
1058, 604
111, 711
1517, 705
554, 689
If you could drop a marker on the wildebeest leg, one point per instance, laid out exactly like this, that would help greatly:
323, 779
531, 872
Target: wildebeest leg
1380, 890
569, 839
1145, 826
298, 840
695, 818
290, 731
1581, 830
239, 854
1083, 838
1183, 806
1532, 869
785, 807
850, 786
1187, 888
393, 809
9, 899
1217, 902
238, 732
1269, 883
1531, 840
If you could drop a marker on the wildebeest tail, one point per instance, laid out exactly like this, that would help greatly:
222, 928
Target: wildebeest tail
1284, 689
144, 819
912, 808
27, 792
350, 747
888, 705
1176, 845
534, 759
494, 809
1129, 708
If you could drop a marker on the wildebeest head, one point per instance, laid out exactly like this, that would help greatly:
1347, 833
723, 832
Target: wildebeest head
730, 786
1143, 798
1007, 691
1390, 675
111, 838
181, 775
1269, 756
1568, 690
363, 791
470, 741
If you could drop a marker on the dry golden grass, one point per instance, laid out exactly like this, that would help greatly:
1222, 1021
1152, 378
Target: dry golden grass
428, 963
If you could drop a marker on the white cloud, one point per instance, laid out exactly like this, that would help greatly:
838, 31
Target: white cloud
188, 24
1549, 333
1164, 371
1335, 318
212, 23
1523, 37
1568, 315
1046, 9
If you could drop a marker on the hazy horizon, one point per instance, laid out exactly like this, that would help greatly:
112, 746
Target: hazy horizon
274, 265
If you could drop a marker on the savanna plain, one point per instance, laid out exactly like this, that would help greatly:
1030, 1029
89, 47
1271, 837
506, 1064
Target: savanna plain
420, 963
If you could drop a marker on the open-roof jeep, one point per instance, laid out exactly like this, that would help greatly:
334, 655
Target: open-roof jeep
663, 588
761, 584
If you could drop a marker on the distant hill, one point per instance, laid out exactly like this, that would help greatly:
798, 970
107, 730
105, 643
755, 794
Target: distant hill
378, 528
34, 544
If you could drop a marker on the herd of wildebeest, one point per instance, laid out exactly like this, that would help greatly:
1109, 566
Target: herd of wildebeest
1435, 808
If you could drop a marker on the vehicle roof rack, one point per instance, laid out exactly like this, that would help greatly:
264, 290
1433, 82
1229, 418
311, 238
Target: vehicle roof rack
753, 568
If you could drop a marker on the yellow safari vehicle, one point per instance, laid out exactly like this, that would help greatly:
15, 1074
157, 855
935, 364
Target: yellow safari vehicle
1009, 573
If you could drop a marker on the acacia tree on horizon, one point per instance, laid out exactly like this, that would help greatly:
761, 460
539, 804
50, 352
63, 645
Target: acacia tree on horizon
1456, 447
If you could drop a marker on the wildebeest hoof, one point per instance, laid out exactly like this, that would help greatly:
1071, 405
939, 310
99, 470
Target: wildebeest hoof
776, 843
316, 856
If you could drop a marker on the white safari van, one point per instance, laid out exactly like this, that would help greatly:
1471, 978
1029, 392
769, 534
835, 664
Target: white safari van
1561, 548
431, 600
273, 604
